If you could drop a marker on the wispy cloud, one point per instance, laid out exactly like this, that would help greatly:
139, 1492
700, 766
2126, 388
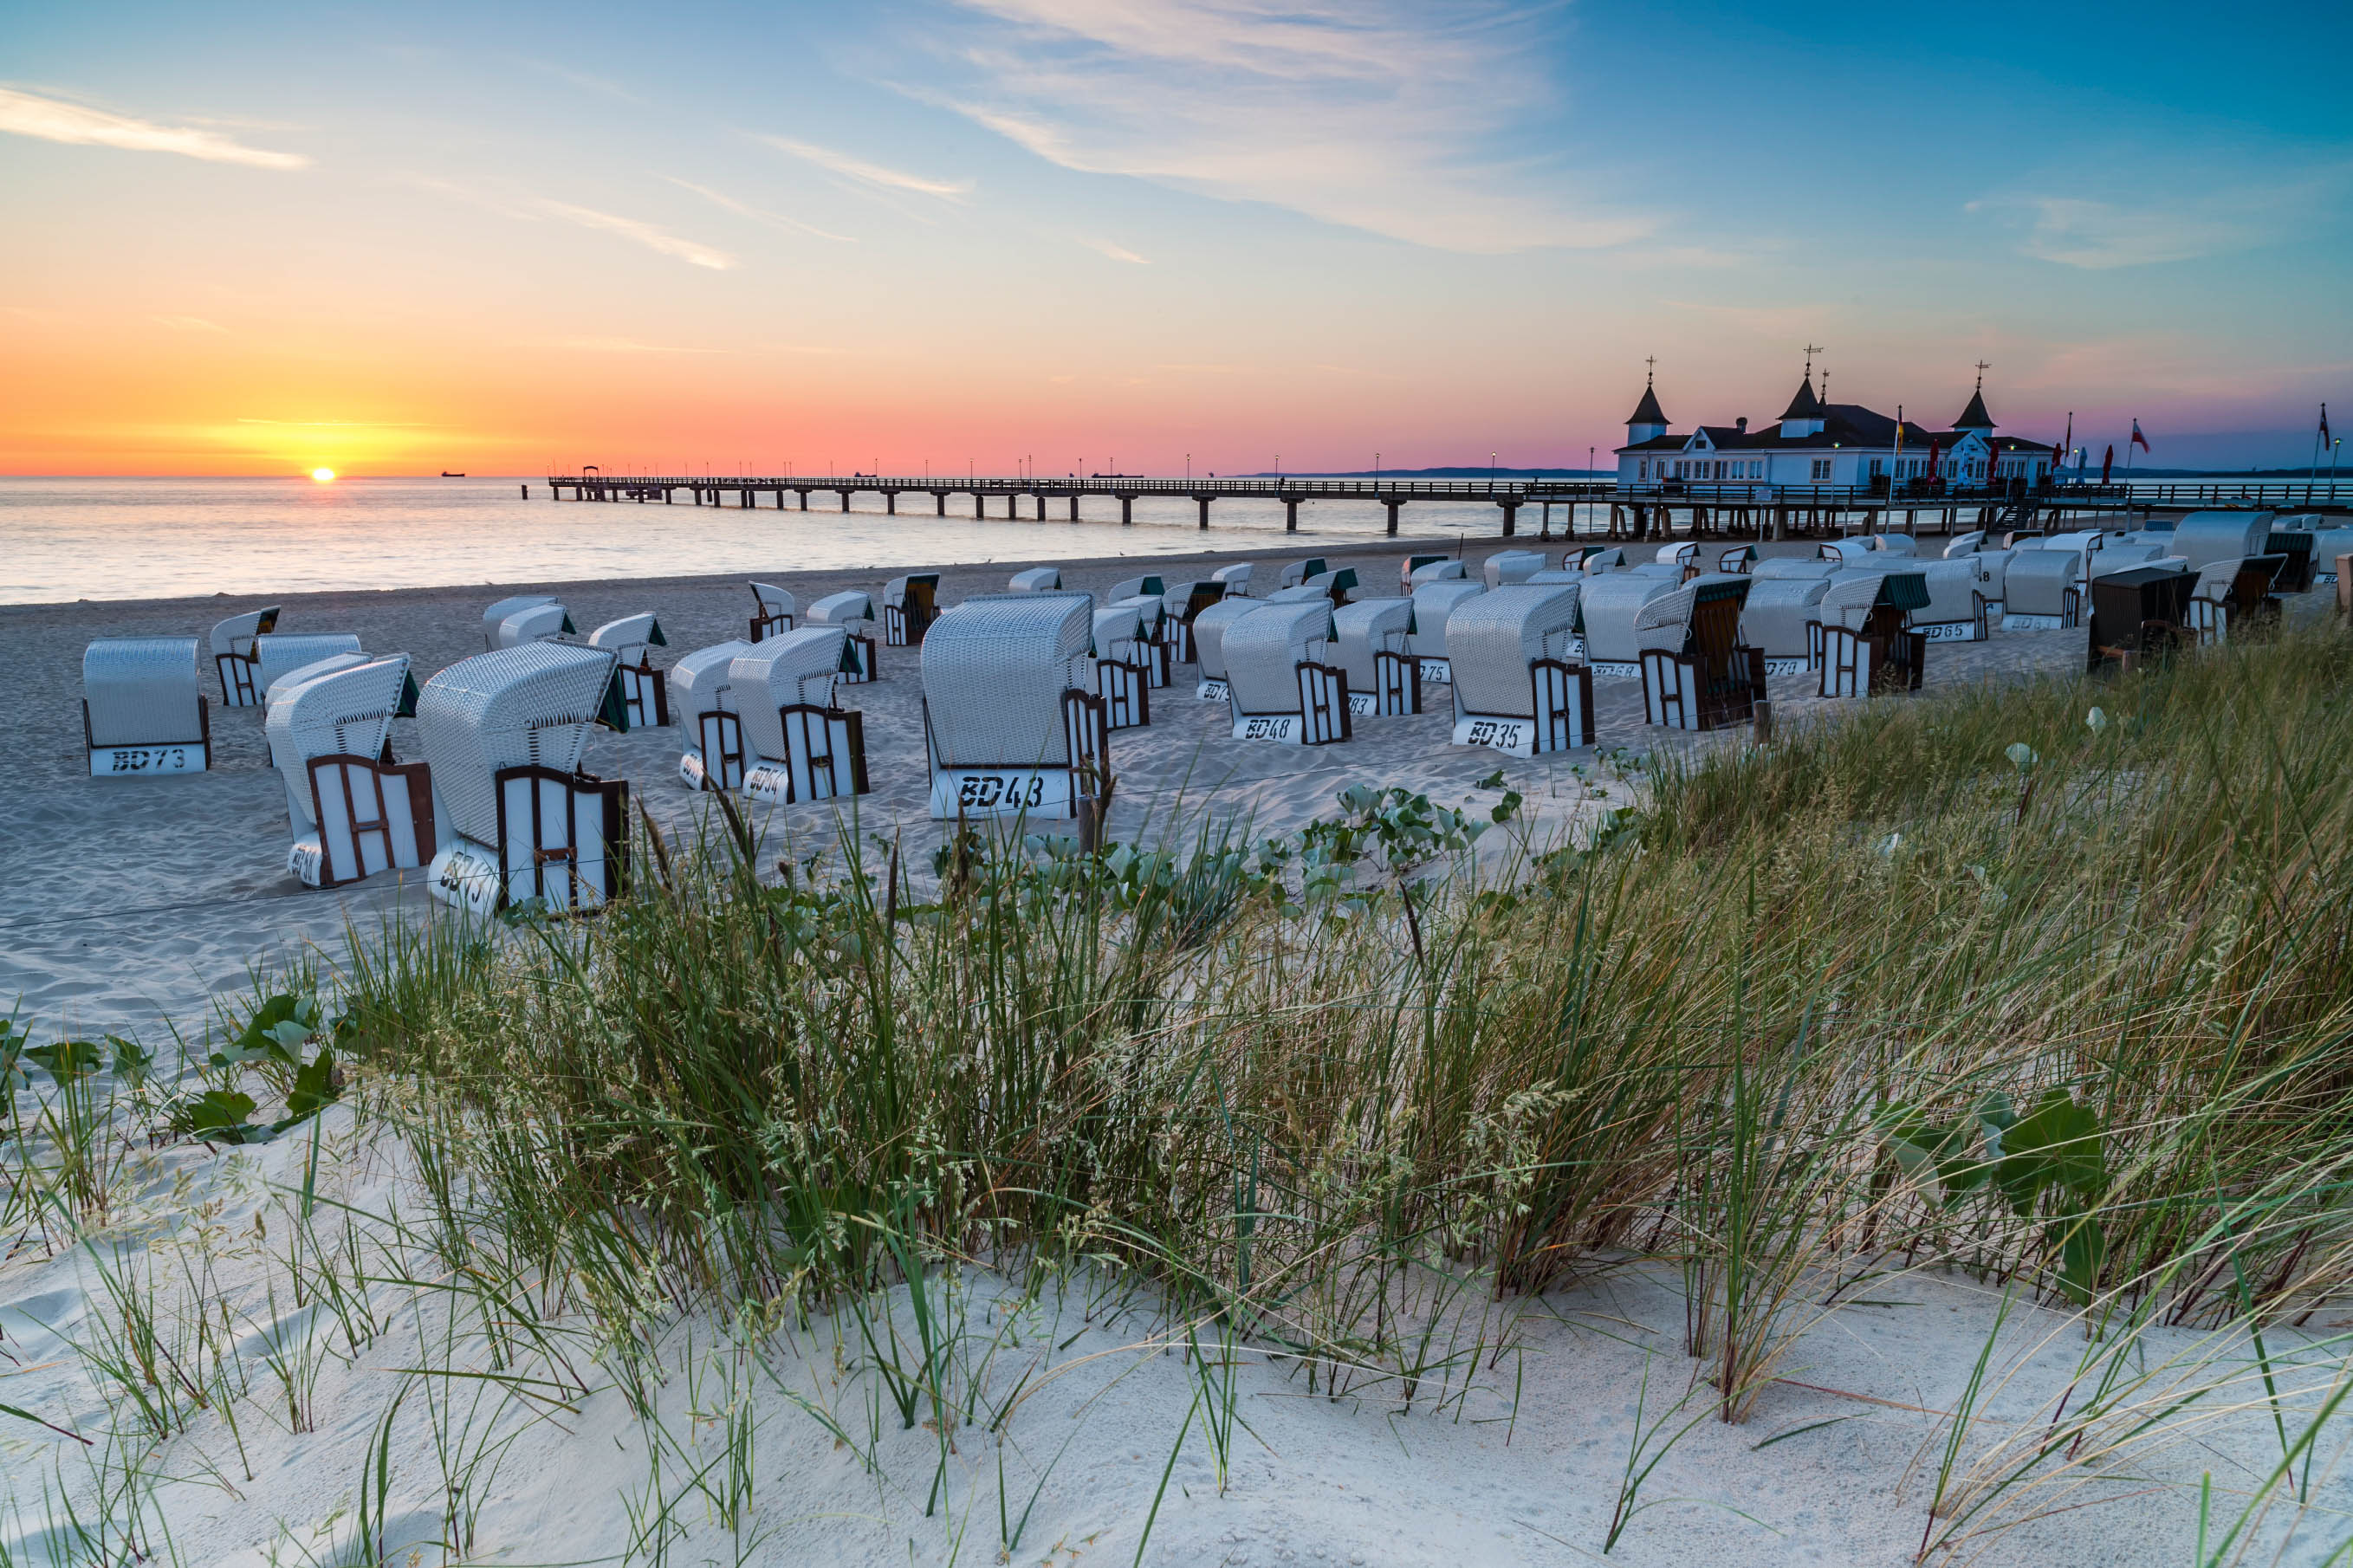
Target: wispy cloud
1117, 252
866, 174
55, 120
1409, 121
757, 215
2208, 211
188, 324
650, 235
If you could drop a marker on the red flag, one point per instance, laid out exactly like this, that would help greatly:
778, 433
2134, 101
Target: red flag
2058, 457
2107, 462
2138, 438
1932, 457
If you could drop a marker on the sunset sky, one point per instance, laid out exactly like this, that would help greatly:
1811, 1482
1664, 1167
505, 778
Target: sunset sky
261, 238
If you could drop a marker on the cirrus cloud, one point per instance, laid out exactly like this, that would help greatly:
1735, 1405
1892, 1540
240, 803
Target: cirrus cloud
652, 236
55, 119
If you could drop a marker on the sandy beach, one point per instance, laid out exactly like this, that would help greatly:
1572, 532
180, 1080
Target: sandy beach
126, 903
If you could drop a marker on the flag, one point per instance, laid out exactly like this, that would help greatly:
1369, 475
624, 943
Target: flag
2069, 443
2058, 457
1933, 445
2138, 438
2108, 463
2324, 425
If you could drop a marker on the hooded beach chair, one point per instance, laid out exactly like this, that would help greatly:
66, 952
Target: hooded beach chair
853, 611
801, 745
1123, 657
1867, 648
1518, 686
2228, 595
1433, 604
1011, 721
777, 612
1373, 639
276, 655
1209, 629
1962, 544
1599, 558
1134, 587
1280, 682
1955, 610
234, 659
1410, 570
909, 604
1739, 558
1781, 618
2328, 544
1036, 579
1180, 607
1609, 605
355, 810
1235, 579
143, 708
645, 694
2205, 536
498, 614
1296, 572
2042, 589
1683, 556
541, 622
702, 703
518, 821
1792, 567
1338, 583
1697, 672
1512, 566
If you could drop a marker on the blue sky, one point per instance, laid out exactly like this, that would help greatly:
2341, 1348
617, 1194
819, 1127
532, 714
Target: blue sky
1081, 228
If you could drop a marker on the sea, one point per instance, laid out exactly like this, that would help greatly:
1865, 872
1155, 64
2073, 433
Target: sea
63, 540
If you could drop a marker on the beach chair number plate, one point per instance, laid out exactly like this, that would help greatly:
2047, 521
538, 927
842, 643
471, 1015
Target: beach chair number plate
1951, 631
1515, 737
122, 761
1788, 665
1281, 727
1000, 792
1212, 691
1439, 671
1613, 670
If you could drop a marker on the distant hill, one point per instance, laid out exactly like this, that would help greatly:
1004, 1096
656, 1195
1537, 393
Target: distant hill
1480, 473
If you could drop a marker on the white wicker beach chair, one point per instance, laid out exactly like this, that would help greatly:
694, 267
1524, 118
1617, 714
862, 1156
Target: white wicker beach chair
779, 611
2328, 545
1235, 580
1683, 555
801, 745
233, 655
1433, 604
853, 611
1867, 647
2042, 589
1280, 682
354, 811
1518, 686
143, 708
644, 693
702, 703
1601, 558
1011, 723
2204, 536
1608, 605
1036, 579
503, 733
1697, 672
1781, 619
1962, 544
2209, 601
1209, 642
1851, 552
1298, 593
1956, 611
496, 615
533, 623
1124, 656
1296, 572
278, 655
1134, 587
1895, 545
1791, 567
1180, 607
909, 604
1739, 558
1512, 566
1338, 583
1373, 639
1417, 569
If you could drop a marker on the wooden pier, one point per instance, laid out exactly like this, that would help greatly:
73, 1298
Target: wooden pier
1634, 512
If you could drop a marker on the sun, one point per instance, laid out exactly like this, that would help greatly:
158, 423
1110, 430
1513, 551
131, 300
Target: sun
322, 475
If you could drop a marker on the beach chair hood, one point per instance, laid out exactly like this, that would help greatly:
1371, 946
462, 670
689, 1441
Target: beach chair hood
332, 709
795, 669
1492, 639
534, 704
1433, 604
278, 655
699, 682
1443, 570
629, 636
993, 671
1791, 567
1210, 628
1264, 649
1512, 566
774, 601
533, 622
498, 611
1777, 612
235, 634
841, 610
1610, 604
143, 691
1367, 627
1036, 580
2204, 536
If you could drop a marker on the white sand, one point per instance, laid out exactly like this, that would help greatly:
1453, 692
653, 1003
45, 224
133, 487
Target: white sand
127, 903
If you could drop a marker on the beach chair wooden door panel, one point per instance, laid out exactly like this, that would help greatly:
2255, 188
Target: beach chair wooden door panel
373, 817
717, 761
825, 757
561, 836
1126, 691
645, 695
1323, 704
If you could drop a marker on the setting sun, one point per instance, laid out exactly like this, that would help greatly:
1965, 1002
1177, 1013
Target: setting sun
322, 475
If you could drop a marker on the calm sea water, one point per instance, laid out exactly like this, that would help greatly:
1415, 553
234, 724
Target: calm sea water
66, 539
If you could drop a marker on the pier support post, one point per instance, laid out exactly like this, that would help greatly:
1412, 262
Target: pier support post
979, 505
845, 500
1545, 530
1289, 514
1203, 503
1126, 510
1393, 504
804, 501
891, 502
941, 497
526, 492
1511, 517
1074, 506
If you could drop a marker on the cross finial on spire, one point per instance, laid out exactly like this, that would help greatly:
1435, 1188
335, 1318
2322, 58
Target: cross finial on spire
1982, 368
1811, 350
1651, 374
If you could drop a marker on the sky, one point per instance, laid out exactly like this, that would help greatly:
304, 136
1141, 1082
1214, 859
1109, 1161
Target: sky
1081, 234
